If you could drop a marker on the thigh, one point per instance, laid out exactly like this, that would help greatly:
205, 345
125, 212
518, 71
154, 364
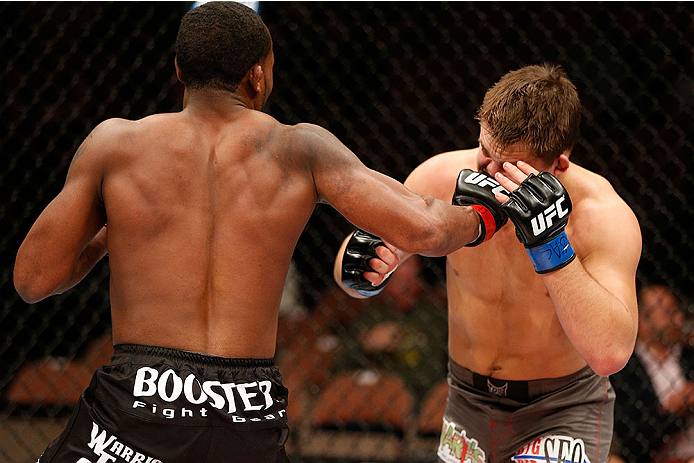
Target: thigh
465, 435
566, 445
248, 446
581, 433
109, 435
99, 436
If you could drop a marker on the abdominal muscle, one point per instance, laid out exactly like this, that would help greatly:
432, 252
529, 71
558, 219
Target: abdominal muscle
501, 320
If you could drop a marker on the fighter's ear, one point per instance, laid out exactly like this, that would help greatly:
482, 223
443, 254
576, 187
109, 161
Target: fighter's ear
255, 77
563, 164
178, 71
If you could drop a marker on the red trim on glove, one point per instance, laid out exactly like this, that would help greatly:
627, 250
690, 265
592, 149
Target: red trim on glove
487, 219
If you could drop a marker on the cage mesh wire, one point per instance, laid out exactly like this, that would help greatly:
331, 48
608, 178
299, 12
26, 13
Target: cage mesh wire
397, 83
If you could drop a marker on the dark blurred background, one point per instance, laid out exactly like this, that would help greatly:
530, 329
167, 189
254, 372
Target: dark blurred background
396, 82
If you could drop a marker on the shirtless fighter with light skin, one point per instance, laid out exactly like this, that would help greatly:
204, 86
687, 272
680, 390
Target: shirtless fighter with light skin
200, 212
513, 326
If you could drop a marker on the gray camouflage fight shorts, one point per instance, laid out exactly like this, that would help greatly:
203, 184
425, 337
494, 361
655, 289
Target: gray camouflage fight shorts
558, 420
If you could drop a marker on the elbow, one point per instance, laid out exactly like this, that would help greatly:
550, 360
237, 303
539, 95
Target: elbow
609, 364
607, 367
613, 354
29, 285
29, 292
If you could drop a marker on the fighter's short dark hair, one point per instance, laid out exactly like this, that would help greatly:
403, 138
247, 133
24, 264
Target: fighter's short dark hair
218, 42
537, 106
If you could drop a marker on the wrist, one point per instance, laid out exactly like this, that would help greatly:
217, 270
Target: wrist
479, 237
486, 225
551, 255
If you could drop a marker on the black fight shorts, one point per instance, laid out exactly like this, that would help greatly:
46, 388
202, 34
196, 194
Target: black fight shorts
557, 420
160, 405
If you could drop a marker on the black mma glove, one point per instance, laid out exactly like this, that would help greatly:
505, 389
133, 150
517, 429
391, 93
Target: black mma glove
540, 209
477, 189
361, 248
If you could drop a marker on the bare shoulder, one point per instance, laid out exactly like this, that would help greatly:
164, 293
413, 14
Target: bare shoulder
306, 136
118, 134
595, 194
101, 142
118, 142
315, 145
111, 130
437, 175
600, 212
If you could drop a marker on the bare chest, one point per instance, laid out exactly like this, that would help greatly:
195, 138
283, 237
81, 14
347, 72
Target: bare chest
498, 270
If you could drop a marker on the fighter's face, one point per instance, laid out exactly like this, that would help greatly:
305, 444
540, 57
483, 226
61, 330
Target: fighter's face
490, 158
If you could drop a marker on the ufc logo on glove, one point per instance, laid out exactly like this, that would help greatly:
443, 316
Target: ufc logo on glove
540, 208
482, 181
541, 221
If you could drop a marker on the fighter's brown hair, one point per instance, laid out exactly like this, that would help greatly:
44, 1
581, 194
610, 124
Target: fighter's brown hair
537, 106
218, 42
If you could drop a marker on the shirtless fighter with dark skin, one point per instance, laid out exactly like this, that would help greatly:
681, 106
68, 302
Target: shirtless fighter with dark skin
199, 212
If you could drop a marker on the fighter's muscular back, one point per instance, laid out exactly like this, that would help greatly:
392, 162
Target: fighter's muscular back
202, 222
502, 322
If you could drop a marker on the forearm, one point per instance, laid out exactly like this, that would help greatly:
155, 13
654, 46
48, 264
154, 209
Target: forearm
599, 325
459, 234
419, 224
91, 254
451, 228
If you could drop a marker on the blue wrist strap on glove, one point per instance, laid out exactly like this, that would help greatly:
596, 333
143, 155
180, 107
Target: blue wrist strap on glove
552, 255
376, 289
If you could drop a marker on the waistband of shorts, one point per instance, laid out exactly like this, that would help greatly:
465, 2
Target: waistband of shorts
188, 356
522, 391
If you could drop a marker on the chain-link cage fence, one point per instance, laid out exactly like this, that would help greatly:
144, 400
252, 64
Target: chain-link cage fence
397, 83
